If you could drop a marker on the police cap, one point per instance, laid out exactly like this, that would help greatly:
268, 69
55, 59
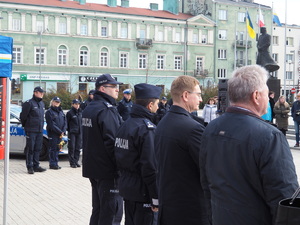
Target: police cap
39, 89
127, 91
106, 79
56, 99
147, 91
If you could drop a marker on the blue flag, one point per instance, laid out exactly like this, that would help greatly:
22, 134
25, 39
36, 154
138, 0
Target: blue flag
6, 49
276, 19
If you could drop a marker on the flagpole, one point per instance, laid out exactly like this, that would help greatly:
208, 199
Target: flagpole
284, 65
246, 58
236, 39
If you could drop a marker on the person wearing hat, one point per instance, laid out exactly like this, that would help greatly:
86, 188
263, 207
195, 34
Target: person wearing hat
125, 105
56, 127
134, 151
163, 108
88, 101
74, 128
100, 122
32, 119
177, 143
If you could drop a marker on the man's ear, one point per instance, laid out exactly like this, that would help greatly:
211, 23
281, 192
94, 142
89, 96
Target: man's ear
255, 97
185, 96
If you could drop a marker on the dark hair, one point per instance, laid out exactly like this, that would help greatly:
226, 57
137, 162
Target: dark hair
211, 99
145, 102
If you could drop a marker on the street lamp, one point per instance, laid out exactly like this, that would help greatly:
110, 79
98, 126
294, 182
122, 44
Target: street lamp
40, 32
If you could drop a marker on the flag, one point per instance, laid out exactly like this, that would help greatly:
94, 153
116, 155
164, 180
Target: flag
250, 29
276, 19
6, 46
261, 21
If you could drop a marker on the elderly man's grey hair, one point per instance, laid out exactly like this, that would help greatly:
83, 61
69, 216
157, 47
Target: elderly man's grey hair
245, 81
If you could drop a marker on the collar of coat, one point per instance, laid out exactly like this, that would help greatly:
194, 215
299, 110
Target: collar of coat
234, 109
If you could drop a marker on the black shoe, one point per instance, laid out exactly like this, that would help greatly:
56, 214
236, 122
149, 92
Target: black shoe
55, 167
39, 169
73, 166
30, 170
78, 165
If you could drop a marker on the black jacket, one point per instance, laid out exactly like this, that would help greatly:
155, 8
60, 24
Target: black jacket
84, 104
246, 169
56, 121
74, 121
100, 121
296, 111
134, 151
177, 146
124, 108
32, 115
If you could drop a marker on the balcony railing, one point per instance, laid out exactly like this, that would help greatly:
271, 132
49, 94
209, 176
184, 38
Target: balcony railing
143, 43
242, 44
242, 62
200, 73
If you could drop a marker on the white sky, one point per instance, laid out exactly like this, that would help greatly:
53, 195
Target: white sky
293, 6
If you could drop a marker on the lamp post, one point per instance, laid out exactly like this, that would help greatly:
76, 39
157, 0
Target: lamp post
40, 60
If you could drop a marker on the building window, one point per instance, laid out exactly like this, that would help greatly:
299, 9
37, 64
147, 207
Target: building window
16, 24
275, 57
160, 59
178, 62
275, 40
62, 28
289, 58
40, 26
40, 55
142, 61
17, 55
204, 39
195, 38
103, 31
199, 63
62, 86
124, 30
83, 29
274, 74
142, 34
84, 56
62, 55
290, 41
160, 36
104, 57
222, 14
222, 34
241, 17
289, 75
177, 36
123, 60
222, 73
222, 54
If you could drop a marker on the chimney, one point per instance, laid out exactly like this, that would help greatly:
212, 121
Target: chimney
112, 3
125, 3
82, 2
154, 6
171, 6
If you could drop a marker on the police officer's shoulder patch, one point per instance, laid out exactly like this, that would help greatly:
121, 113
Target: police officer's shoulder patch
108, 105
149, 124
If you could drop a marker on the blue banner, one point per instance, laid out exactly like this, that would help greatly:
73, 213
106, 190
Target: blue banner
6, 50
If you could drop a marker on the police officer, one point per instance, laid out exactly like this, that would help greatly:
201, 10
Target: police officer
74, 128
125, 105
56, 127
88, 101
100, 121
134, 151
163, 108
32, 119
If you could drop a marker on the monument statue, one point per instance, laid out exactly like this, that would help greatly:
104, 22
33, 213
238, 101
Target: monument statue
264, 58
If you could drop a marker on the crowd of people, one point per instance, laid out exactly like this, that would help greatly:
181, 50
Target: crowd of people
166, 166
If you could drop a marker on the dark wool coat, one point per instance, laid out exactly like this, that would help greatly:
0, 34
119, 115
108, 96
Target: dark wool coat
177, 145
246, 169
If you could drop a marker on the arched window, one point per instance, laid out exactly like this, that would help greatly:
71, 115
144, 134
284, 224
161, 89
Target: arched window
84, 56
62, 55
104, 57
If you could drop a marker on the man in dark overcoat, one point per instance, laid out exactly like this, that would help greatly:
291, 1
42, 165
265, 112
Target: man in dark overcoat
246, 163
177, 145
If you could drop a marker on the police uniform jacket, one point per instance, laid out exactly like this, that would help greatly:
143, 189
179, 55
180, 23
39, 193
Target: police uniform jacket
74, 121
56, 121
134, 151
177, 145
32, 115
246, 169
124, 108
100, 121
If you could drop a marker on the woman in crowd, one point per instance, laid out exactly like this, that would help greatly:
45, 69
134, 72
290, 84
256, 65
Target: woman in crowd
281, 110
209, 111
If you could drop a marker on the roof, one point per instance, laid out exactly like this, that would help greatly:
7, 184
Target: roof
101, 8
242, 3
